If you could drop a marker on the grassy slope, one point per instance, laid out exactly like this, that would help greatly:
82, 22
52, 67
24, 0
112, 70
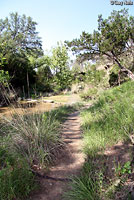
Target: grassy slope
109, 120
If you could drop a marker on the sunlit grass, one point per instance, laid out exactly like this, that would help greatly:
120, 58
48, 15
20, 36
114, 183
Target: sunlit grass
28, 140
110, 119
106, 122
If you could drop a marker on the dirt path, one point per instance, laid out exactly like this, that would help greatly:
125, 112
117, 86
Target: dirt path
69, 163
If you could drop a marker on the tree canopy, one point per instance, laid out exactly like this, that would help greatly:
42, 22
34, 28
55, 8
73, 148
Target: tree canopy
114, 39
44, 74
18, 35
18, 40
60, 67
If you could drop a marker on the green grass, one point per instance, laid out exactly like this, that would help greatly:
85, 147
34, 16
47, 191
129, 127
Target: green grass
85, 186
16, 179
90, 94
36, 136
109, 120
27, 140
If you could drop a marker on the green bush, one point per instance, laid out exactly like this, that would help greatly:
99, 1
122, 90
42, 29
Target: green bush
16, 179
95, 76
90, 94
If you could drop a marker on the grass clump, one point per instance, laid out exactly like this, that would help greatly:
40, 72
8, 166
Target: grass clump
33, 136
27, 142
36, 136
85, 186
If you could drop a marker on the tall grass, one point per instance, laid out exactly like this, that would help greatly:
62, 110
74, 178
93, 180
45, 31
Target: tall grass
109, 120
28, 140
16, 179
85, 186
33, 136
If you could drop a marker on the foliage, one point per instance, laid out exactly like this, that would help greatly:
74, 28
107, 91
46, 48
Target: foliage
4, 76
4, 79
44, 75
114, 40
125, 169
77, 70
28, 140
90, 94
20, 71
18, 40
94, 76
16, 180
62, 74
18, 35
110, 119
36, 137
117, 77
85, 186
95, 80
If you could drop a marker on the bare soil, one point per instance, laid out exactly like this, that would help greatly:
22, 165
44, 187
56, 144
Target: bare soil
69, 163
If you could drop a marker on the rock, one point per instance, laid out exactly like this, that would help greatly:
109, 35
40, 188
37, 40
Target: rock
48, 101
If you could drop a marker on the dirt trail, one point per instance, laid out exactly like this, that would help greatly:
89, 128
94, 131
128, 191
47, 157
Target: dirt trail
69, 163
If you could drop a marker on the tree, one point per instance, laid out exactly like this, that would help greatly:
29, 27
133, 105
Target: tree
4, 78
62, 74
44, 75
114, 39
18, 35
18, 40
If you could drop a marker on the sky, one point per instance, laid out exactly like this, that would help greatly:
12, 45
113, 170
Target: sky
60, 20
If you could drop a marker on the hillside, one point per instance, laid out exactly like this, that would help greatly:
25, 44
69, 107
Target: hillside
107, 128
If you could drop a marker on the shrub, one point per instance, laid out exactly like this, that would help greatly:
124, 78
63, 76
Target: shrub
16, 179
34, 136
90, 94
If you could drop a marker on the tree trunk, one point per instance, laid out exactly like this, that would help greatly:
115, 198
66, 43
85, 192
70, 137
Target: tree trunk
124, 69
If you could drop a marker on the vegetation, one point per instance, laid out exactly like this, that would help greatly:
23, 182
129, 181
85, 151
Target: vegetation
85, 186
28, 142
110, 118
31, 71
18, 39
114, 39
16, 179
62, 78
105, 123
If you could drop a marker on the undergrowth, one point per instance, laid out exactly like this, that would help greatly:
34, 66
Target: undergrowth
85, 186
105, 123
28, 140
110, 119
16, 179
